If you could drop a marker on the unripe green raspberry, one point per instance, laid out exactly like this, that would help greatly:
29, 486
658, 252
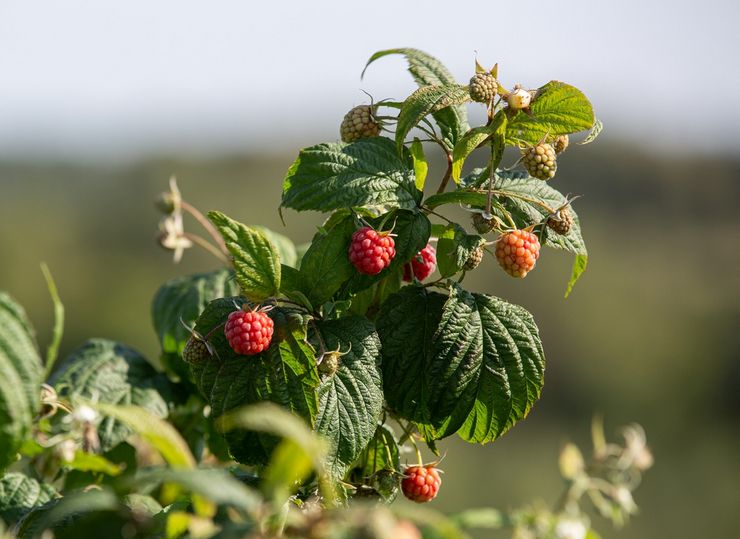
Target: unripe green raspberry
359, 123
330, 363
519, 98
561, 143
195, 351
481, 224
474, 260
540, 161
483, 87
561, 221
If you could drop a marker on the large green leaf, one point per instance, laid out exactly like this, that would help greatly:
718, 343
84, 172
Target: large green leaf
21, 374
558, 109
466, 362
429, 71
350, 400
425, 101
367, 172
112, 373
19, 494
285, 373
256, 259
182, 300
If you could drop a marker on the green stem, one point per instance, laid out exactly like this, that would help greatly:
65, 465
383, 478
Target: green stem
201, 242
192, 210
56, 337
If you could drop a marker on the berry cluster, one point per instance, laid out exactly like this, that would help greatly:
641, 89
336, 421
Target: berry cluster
371, 251
517, 252
421, 483
249, 332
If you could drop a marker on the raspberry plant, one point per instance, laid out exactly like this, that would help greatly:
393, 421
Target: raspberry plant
297, 379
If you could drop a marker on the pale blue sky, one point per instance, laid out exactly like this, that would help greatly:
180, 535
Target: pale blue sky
97, 77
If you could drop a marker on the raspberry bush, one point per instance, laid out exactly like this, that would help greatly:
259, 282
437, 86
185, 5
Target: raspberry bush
295, 380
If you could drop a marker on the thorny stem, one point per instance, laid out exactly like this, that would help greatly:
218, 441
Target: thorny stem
192, 210
492, 177
207, 246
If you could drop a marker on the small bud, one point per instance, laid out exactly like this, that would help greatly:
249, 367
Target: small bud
84, 414
165, 203
570, 528
519, 98
66, 450
571, 462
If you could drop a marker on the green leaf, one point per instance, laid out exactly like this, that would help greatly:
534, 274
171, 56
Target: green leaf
89, 462
183, 299
484, 517
286, 249
256, 260
109, 372
154, 430
424, 101
367, 172
454, 248
511, 371
472, 198
21, 374
595, 132
285, 374
579, 266
558, 109
19, 494
381, 453
429, 71
474, 138
350, 400
326, 266
421, 167
468, 362
218, 486
300, 450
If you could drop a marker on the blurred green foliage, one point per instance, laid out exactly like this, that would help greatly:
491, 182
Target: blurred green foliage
648, 334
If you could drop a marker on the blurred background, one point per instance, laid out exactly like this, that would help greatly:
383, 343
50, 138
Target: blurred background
100, 102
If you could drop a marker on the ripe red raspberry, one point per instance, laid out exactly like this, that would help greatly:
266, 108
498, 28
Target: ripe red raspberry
423, 264
371, 251
249, 332
421, 484
517, 252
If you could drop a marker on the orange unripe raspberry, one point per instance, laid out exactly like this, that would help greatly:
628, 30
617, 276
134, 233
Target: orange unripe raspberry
421, 483
517, 252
